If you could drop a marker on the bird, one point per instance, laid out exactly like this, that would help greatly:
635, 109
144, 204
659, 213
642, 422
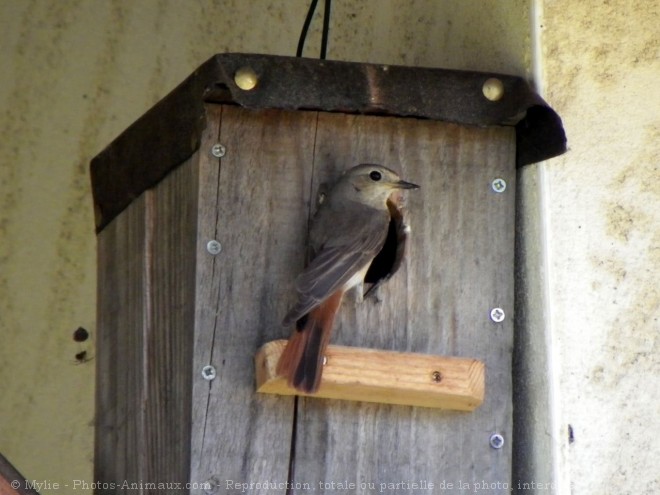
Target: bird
347, 232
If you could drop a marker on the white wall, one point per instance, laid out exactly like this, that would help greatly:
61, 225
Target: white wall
601, 63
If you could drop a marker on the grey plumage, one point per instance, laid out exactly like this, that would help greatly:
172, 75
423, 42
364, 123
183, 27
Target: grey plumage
347, 231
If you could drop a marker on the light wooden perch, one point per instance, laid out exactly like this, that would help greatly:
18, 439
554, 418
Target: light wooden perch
388, 377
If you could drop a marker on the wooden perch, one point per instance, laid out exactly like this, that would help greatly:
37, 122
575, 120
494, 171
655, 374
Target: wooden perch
372, 375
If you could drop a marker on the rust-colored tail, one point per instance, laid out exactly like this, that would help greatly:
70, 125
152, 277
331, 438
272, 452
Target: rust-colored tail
301, 361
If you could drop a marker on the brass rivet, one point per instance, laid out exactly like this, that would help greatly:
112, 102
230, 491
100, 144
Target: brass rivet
246, 78
437, 376
493, 89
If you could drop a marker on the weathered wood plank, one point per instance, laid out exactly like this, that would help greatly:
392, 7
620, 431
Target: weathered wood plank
207, 292
386, 377
121, 266
168, 343
254, 201
460, 265
144, 353
154, 269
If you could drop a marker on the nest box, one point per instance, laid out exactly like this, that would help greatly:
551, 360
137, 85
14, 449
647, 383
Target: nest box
202, 208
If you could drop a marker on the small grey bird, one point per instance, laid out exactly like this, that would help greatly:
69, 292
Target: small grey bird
347, 232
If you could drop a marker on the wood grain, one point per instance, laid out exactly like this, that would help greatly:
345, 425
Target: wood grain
460, 265
167, 308
144, 348
386, 377
171, 292
255, 201
121, 265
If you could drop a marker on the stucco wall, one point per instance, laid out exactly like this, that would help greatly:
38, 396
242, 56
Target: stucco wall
601, 68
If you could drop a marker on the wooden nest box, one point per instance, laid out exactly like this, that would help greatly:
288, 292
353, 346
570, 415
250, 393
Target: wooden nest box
202, 207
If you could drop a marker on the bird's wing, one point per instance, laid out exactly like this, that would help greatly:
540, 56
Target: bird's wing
335, 264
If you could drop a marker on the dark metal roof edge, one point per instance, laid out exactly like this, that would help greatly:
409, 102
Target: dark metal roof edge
169, 133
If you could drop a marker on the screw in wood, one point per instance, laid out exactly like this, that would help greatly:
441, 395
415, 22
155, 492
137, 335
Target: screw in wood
498, 185
218, 150
213, 247
496, 441
437, 376
497, 315
208, 372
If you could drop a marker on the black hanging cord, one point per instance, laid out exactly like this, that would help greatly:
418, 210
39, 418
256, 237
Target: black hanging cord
308, 21
305, 28
326, 28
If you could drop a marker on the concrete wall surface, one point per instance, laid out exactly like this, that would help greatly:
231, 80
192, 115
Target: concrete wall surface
75, 73
600, 69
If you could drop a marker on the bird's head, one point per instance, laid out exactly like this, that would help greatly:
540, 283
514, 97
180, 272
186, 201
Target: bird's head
371, 184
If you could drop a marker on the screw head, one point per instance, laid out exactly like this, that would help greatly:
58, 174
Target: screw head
496, 441
498, 185
497, 315
493, 89
246, 78
213, 247
208, 372
218, 150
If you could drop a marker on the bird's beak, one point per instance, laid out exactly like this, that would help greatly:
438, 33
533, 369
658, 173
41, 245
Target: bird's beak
402, 184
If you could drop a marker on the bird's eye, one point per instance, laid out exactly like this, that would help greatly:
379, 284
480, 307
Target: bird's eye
375, 176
